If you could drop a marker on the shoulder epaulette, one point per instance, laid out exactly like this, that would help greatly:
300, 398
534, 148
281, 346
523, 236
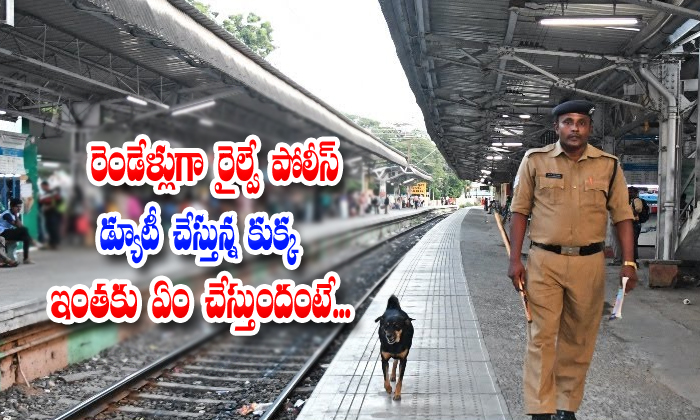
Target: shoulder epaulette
544, 149
608, 155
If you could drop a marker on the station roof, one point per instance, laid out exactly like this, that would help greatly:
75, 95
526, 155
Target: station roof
475, 67
168, 54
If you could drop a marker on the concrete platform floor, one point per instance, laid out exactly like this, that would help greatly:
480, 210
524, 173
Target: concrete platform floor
448, 374
646, 364
467, 357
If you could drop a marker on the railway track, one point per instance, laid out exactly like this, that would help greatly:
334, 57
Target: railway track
215, 375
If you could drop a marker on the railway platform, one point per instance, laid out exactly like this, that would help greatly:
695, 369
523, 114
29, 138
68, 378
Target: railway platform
448, 374
466, 358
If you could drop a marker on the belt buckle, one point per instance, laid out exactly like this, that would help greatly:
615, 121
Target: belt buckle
570, 250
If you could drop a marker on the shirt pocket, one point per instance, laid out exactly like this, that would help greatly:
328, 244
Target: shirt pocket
551, 190
595, 194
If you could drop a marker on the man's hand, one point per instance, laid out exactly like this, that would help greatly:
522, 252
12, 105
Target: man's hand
516, 272
631, 274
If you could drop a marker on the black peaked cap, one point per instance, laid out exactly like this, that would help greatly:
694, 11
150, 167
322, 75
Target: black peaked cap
578, 106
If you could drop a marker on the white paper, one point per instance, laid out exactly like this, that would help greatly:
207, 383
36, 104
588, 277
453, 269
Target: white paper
25, 190
617, 309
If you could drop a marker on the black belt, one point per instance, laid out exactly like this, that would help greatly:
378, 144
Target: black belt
573, 250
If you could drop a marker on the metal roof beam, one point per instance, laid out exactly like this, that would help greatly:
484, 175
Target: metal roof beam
471, 57
504, 49
571, 54
220, 95
666, 8
427, 63
81, 58
507, 39
562, 84
458, 62
71, 74
534, 67
597, 72
571, 88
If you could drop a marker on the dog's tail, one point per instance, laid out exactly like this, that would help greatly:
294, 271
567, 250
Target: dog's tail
393, 303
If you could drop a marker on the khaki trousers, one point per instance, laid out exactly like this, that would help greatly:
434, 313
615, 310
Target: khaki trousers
566, 296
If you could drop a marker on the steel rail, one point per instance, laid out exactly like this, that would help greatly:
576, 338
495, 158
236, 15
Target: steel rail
107, 394
92, 405
326, 343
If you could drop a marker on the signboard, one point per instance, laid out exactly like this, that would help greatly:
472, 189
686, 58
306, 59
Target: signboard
419, 189
640, 137
12, 153
641, 169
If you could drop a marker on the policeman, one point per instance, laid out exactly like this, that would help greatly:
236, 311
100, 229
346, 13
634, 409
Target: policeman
567, 188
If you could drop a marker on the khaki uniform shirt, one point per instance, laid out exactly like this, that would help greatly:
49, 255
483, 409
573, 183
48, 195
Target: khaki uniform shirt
569, 201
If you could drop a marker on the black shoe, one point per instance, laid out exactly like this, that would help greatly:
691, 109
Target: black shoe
564, 415
542, 417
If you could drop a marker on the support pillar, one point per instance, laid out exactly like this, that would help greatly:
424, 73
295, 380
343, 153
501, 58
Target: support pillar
31, 218
671, 80
667, 86
601, 110
660, 223
364, 179
696, 198
609, 144
83, 114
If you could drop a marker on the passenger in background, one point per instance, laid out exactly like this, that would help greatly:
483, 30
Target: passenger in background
50, 199
12, 229
685, 213
637, 207
77, 223
375, 205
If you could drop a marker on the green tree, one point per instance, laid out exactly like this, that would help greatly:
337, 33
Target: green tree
204, 9
250, 30
255, 33
420, 151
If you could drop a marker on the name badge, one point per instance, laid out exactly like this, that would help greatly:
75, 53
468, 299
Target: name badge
555, 176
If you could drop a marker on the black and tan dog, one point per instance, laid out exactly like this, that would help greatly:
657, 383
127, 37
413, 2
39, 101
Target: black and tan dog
396, 336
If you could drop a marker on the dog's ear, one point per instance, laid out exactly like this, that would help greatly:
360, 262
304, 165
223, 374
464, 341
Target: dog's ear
379, 318
408, 321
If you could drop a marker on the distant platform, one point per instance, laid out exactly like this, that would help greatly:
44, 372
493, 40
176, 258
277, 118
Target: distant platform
23, 289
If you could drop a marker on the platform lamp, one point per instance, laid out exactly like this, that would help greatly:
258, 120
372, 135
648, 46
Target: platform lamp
609, 21
7, 12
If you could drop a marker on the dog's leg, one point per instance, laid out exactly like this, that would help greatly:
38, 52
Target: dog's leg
393, 371
402, 370
385, 369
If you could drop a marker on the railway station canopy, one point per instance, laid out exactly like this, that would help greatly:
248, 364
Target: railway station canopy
486, 74
158, 67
